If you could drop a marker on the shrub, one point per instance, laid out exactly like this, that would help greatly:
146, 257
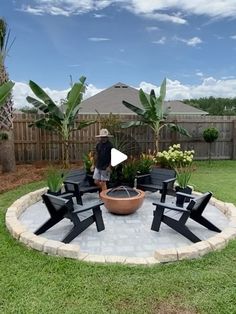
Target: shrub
180, 161
210, 135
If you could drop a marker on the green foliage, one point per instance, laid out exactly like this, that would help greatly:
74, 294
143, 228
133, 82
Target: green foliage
5, 90
210, 135
145, 163
111, 122
61, 120
129, 171
73, 286
3, 136
126, 172
54, 179
88, 161
120, 140
152, 114
214, 106
27, 109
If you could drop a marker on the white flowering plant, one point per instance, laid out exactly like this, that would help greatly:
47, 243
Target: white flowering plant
179, 160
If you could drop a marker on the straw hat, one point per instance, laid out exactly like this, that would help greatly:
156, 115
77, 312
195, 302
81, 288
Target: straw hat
104, 133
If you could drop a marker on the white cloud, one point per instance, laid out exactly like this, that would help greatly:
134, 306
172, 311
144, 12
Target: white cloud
175, 90
233, 36
97, 39
65, 7
190, 42
165, 17
209, 87
155, 9
216, 9
193, 41
199, 73
152, 28
160, 41
99, 16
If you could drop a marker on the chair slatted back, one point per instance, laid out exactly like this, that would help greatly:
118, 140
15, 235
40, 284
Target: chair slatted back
199, 203
56, 205
158, 175
76, 175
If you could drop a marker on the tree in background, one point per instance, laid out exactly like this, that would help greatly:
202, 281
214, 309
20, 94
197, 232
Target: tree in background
214, 106
6, 109
210, 135
61, 120
152, 114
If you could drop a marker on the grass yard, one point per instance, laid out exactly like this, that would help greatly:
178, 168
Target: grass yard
31, 282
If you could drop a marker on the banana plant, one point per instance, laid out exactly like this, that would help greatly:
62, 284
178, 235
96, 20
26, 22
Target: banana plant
60, 119
5, 90
153, 114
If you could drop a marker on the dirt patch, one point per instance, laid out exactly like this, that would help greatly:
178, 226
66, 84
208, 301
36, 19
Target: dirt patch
24, 174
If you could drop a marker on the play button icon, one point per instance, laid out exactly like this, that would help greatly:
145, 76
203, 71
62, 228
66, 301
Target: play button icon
117, 157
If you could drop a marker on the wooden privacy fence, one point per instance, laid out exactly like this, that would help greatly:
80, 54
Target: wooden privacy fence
33, 144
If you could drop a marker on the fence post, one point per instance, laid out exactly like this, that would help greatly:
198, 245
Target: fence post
234, 140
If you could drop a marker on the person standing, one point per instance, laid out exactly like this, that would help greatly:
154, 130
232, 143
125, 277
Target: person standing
102, 169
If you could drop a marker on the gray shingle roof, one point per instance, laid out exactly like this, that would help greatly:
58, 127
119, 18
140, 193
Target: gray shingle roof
110, 100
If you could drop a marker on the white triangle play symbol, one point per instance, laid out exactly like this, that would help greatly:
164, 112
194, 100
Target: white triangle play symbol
117, 157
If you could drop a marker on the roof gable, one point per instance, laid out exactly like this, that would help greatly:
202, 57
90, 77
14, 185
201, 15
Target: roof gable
110, 100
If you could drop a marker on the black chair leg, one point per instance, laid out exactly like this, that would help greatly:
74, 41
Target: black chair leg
98, 219
48, 224
158, 214
180, 228
72, 234
206, 223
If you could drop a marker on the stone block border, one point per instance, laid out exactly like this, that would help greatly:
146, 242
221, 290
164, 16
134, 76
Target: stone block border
196, 250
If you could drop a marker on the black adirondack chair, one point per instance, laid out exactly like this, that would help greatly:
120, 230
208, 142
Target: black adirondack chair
78, 182
176, 217
82, 216
159, 179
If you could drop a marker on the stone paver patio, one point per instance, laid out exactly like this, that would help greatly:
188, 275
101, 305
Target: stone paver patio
126, 239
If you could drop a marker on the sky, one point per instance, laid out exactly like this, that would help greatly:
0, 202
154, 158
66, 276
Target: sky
136, 42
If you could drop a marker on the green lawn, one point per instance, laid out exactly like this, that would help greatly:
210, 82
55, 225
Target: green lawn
31, 282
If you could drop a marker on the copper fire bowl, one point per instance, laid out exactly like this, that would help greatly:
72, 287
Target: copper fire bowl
122, 206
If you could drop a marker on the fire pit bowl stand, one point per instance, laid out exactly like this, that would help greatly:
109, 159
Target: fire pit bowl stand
122, 200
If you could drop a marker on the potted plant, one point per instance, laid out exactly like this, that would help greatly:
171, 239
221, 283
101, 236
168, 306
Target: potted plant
181, 162
54, 179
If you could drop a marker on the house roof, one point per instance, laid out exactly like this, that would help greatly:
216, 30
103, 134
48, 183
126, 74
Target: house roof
110, 100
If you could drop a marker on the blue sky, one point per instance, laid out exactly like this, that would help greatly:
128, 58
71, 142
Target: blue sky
138, 42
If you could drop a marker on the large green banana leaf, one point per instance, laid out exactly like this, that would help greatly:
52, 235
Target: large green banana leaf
135, 109
5, 90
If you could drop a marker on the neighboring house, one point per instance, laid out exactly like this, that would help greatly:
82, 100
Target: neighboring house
110, 100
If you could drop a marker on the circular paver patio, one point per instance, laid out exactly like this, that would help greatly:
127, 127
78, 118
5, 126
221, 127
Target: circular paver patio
126, 239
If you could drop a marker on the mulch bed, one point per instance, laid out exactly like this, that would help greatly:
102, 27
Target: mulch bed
25, 174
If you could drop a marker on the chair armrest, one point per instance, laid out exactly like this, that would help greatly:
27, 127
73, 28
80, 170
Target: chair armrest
169, 180
67, 195
170, 206
186, 195
142, 176
71, 182
83, 208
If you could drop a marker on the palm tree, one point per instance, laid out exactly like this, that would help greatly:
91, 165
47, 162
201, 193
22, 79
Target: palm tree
61, 120
152, 114
6, 110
